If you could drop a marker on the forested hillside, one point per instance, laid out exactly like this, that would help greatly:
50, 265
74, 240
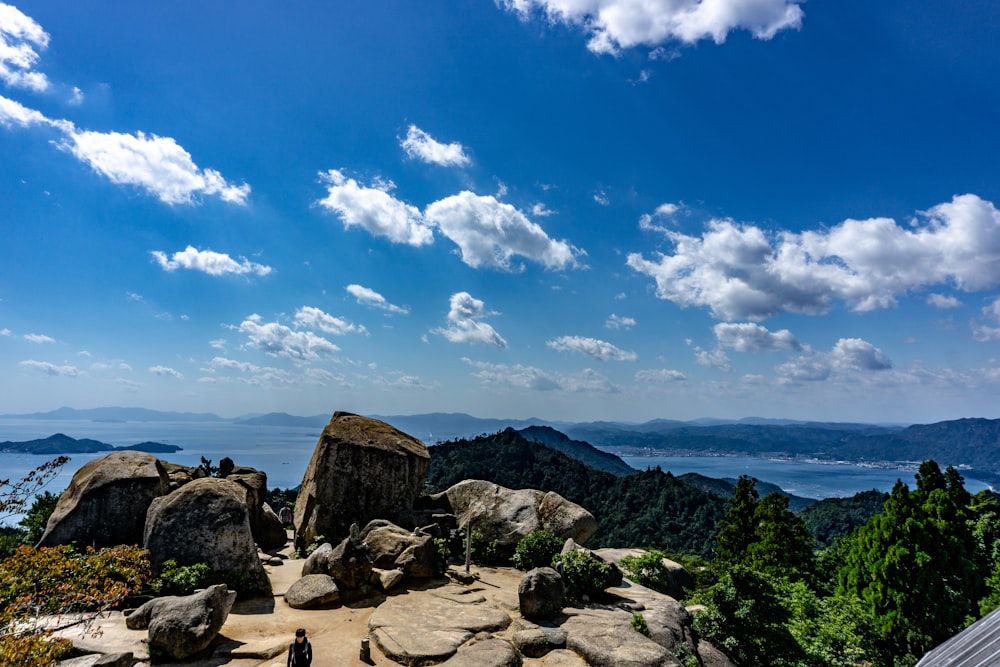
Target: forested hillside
649, 509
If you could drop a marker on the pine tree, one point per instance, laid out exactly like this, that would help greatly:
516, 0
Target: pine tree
737, 529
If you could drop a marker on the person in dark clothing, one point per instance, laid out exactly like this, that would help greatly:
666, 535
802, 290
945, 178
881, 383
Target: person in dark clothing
300, 653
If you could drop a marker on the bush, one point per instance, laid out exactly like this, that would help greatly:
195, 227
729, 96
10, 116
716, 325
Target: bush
585, 576
536, 549
648, 570
488, 553
182, 579
639, 624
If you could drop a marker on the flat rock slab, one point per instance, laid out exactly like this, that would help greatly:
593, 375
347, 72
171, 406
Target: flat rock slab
424, 629
492, 652
605, 638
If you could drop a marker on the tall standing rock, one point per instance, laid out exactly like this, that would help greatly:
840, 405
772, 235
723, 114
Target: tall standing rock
106, 501
362, 469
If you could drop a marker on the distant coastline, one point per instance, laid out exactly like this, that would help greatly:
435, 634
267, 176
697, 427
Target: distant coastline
59, 443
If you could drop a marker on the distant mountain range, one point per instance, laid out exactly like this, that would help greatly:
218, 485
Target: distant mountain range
63, 444
971, 443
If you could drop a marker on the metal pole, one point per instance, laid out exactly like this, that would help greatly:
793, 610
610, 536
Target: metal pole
468, 544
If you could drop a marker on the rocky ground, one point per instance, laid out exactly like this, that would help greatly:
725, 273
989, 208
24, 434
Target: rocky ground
424, 625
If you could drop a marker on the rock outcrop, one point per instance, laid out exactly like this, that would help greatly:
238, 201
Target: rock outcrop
349, 563
206, 521
507, 515
680, 580
106, 501
541, 593
392, 547
361, 469
312, 591
180, 627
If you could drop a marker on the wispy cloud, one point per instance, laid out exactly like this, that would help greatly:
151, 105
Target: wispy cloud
619, 322
21, 37
464, 325
166, 371
742, 272
750, 337
942, 301
369, 297
50, 369
314, 318
38, 338
421, 146
518, 376
208, 261
594, 348
613, 25
659, 376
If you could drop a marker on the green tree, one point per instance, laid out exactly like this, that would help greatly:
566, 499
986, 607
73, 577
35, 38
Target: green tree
737, 528
37, 516
782, 545
913, 567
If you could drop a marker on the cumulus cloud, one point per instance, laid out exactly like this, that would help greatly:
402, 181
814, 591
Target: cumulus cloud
749, 337
312, 317
158, 165
529, 377
369, 297
166, 371
38, 338
619, 322
49, 368
278, 340
848, 355
464, 325
613, 25
942, 301
207, 261
601, 350
489, 232
741, 272
649, 221
14, 113
421, 146
5, 332
21, 37
374, 209
716, 358
660, 376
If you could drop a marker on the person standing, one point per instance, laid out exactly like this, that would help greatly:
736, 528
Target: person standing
300, 653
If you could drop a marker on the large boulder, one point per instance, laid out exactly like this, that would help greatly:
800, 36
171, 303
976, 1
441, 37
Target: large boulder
206, 521
361, 469
349, 563
261, 523
393, 547
507, 515
312, 591
270, 533
179, 627
541, 593
106, 501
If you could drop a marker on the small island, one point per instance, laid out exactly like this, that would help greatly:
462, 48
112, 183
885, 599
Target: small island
61, 443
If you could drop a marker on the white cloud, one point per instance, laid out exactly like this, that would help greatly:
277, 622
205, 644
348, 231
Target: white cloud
76, 97
540, 211
38, 338
50, 369
15, 113
369, 297
660, 375
207, 261
716, 358
374, 209
158, 165
489, 232
847, 356
613, 25
132, 296
5, 332
749, 337
619, 322
310, 316
218, 343
647, 221
942, 301
421, 146
594, 348
20, 36
166, 371
740, 272
278, 340
601, 197
464, 325
232, 364
529, 377
983, 332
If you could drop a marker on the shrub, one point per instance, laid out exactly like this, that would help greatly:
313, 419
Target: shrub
536, 549
639, 624
648, 570
488, 553
585, 576
182, 579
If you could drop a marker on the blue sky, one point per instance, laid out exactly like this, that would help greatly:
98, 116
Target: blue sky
569, 209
